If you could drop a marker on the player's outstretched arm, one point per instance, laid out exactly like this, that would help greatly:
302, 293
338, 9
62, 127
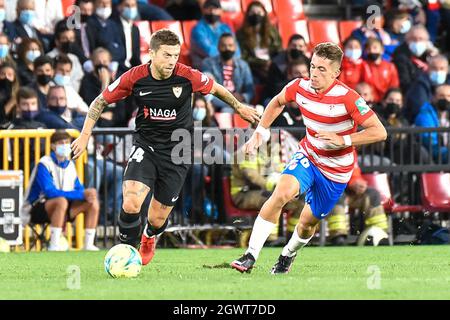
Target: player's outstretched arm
374, 131
94, 113
247, 113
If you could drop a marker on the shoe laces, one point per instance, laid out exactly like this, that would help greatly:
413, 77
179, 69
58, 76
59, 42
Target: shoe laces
284, 261
247, 256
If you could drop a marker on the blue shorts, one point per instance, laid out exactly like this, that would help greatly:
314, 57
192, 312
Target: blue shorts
321, 193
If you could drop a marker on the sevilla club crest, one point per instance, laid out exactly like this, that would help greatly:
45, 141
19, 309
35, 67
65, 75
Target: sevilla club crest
177, 91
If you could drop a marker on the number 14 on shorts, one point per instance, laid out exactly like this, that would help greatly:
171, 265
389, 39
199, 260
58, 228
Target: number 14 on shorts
136, 154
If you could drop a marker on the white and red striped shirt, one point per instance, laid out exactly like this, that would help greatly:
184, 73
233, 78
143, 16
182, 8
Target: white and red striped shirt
340, 110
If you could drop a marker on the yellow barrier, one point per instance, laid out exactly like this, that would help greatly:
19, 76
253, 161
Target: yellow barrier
37, 135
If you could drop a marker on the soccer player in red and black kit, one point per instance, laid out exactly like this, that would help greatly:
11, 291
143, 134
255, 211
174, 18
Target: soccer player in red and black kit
163, 89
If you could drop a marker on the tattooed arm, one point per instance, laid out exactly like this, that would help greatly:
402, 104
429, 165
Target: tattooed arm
247, 113
94, 113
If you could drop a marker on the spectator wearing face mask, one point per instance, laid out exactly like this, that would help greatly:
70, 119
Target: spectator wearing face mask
398, 24
351, 73
410, 58
96, 81
25, 23
105, 31
43, 76
6, 27
55, 193
84, 39
76, 107
435, 114
203, 111
372, 27
231, 72
421, 90
390, 113
56, 107
206, 33
149, 11
296, 50
127, 14
27, 51
27, 110
5, 50
390, 108
259, 40
380, 74
66, 45
196, 200
9, 87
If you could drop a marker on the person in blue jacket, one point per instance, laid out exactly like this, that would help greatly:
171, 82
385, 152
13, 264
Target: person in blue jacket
56, 194
231, 72
435, 115
206, 33
422, 89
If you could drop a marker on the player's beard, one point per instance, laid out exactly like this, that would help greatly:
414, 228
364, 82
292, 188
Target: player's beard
166, 72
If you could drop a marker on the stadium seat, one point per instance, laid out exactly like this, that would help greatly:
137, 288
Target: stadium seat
287, 28
187, 27
346, 28
230, 209
323, 31
232, 13
259, 90
174, 26
436, 191
66, 5
224, 120
239, 122
145, 35
288, 9
380, 182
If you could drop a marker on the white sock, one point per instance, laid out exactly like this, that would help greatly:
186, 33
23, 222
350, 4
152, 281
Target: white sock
55, 235
89, 236
261, 231
294, 244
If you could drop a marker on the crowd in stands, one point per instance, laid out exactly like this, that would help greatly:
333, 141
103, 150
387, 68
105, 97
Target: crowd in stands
53, 64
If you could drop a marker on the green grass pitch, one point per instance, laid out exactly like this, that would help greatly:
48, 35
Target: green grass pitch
399, 272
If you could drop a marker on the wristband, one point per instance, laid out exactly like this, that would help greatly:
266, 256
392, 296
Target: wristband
265, 133
347, 140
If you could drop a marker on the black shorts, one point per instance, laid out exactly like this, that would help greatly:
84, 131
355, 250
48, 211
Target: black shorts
39, 214
157, 171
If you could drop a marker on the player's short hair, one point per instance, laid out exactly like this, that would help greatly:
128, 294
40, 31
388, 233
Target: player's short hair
26, 93
330, 51
164, 37
59, 135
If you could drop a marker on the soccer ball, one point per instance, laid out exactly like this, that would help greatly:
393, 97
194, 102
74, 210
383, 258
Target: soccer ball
123, 261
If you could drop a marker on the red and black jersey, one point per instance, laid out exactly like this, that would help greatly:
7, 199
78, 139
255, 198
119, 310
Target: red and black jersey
164, 105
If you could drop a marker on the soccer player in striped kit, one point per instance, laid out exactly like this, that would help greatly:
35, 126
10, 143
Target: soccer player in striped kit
325, 160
